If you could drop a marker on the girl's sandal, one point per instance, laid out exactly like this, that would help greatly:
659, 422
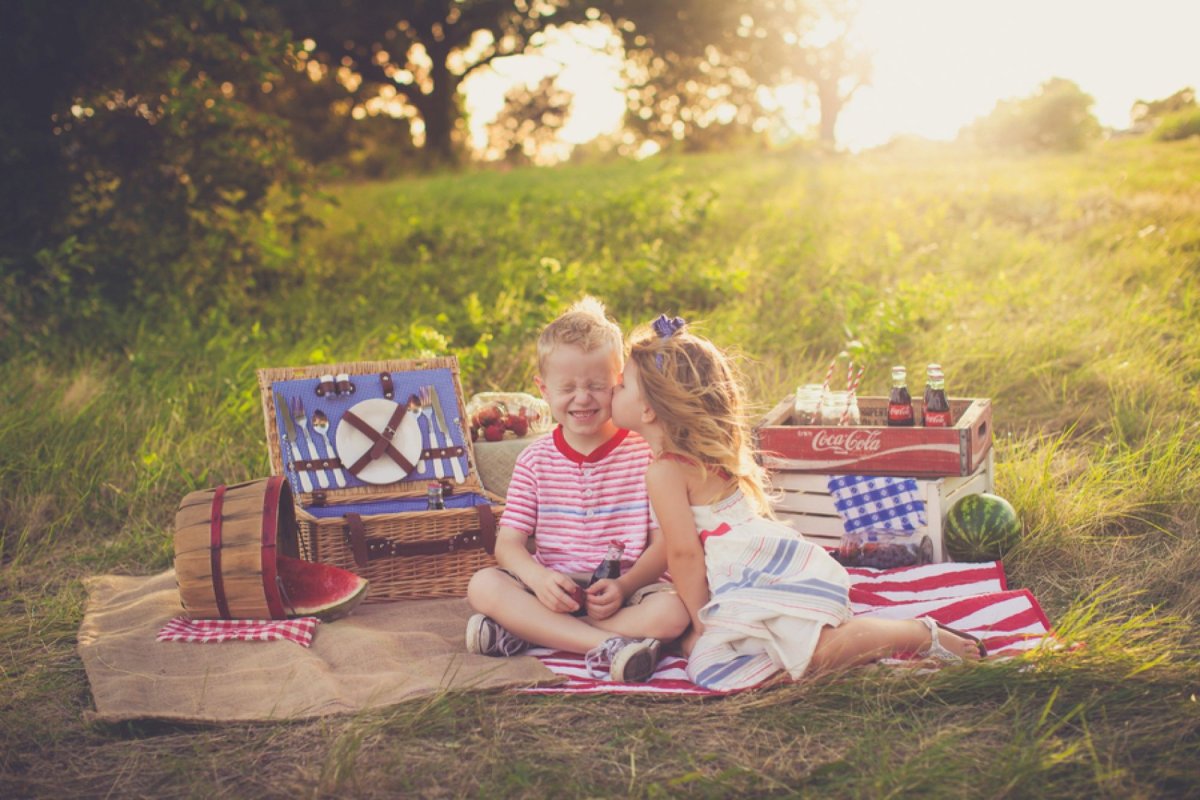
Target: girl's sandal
937, 650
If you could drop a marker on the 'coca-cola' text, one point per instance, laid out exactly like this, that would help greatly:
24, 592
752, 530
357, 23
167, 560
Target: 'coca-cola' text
846, 442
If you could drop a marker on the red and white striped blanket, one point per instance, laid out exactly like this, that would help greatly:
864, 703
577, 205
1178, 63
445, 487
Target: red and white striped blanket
970, 597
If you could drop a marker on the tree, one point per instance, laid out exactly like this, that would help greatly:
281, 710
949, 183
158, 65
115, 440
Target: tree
526, 130
692, 64
1057, 117
421, 50
132, 162
698, 65
1145, 111
833, 63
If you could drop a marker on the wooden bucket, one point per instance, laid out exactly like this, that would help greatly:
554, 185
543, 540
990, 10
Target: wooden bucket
226, 543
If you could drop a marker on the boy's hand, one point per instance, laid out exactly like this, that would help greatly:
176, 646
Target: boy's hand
604, 598
554, 590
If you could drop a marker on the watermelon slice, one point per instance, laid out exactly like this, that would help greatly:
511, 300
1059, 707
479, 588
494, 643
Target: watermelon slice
981, 527
318, 590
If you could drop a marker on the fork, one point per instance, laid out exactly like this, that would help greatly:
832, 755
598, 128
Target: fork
320, 425
302, 424
427, 412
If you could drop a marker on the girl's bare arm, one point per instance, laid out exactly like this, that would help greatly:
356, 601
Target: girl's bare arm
666, 482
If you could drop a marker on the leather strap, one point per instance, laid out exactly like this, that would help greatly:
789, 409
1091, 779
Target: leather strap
385, 378
366, 549
214, 552
382, 441
358, 538
318, 463
443, 452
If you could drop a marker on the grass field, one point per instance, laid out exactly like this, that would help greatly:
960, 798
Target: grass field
1066, 288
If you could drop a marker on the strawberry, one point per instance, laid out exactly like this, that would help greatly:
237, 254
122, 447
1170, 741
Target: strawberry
489, 415
494, 432
518, 425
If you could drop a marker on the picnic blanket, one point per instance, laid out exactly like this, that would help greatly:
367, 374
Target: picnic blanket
380, 655
388, 653
971, 597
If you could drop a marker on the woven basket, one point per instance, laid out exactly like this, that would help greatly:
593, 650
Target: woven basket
395, 577
410, 554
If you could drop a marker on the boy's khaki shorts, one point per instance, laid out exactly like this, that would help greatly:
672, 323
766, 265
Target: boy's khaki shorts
582, 579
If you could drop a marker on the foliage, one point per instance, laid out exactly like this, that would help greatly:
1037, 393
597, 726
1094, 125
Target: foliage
143, 175
1062, 286
526, 130
1057, 117
1152, 110
418, 54
1178, 125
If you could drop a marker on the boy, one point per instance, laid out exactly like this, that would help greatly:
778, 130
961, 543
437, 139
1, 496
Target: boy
577, 490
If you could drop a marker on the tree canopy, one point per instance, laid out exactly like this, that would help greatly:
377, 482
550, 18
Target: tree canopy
147, 145
1057, 117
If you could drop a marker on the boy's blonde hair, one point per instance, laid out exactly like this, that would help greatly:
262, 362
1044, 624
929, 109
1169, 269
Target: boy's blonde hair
585, 325
694, 391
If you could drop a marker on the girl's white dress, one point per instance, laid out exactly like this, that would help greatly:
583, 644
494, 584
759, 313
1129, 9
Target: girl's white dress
771, 593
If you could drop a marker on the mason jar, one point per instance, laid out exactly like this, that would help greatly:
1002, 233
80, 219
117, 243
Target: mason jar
835, 405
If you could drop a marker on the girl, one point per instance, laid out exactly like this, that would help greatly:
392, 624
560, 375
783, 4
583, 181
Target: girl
761, 599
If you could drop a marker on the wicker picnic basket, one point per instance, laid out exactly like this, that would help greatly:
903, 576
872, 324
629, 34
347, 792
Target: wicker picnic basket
379, 528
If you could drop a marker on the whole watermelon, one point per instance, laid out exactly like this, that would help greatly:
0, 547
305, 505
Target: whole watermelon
980, 527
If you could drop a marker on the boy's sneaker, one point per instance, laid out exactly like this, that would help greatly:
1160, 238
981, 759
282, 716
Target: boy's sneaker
628, 660
486, 637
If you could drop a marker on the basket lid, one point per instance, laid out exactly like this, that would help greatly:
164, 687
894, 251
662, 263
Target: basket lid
372, 429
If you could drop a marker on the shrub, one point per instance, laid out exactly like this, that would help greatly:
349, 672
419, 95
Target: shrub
1180, 125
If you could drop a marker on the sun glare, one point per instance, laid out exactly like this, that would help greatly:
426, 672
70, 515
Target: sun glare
938, 65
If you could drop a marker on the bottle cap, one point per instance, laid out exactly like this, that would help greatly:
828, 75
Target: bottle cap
899, 373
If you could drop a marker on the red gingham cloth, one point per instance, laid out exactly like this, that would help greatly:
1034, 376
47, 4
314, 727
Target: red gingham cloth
181, 629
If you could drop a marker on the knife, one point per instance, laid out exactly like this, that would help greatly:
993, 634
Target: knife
441, 421
290, 437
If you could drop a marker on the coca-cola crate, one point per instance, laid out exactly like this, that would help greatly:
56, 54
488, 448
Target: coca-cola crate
874, 448
802, 500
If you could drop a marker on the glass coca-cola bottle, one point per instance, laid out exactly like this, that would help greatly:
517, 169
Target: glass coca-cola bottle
936, 413
900, 407
929, 370
609, 567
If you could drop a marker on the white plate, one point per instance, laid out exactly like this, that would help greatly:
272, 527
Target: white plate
352, 443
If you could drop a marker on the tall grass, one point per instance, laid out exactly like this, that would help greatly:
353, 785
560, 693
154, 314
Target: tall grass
1066, 288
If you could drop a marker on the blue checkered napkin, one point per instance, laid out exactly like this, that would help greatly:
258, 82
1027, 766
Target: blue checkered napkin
876, 504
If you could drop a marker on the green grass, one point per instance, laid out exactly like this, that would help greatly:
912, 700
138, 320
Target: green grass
1066, 288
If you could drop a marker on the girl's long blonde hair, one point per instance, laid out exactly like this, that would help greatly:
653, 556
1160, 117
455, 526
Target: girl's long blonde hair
694, 391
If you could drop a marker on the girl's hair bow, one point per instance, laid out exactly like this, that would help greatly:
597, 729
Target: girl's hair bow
666, 327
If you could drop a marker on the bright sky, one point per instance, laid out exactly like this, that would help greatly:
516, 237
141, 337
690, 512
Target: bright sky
938, 64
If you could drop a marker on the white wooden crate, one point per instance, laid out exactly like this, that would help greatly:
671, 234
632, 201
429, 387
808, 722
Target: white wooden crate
804, 502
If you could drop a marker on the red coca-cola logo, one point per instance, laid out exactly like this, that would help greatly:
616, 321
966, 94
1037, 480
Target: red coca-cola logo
846, 442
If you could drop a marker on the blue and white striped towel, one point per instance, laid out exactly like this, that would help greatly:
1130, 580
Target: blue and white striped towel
877, 504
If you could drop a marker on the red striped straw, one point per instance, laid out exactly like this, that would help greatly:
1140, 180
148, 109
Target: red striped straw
852, 389
828, 376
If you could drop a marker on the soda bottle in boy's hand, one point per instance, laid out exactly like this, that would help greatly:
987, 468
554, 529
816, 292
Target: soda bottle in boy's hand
609, 568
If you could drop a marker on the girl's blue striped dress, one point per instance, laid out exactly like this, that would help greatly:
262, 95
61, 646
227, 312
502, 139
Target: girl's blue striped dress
771, 594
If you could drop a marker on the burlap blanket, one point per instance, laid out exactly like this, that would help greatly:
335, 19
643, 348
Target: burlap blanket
380, 655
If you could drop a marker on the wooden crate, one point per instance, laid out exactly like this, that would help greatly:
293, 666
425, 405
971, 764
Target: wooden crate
874, 448
804, 502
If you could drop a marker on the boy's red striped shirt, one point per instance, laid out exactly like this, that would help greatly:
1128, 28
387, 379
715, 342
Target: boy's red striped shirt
576, 504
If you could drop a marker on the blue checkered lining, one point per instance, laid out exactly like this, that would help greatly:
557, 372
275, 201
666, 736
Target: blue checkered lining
878, 504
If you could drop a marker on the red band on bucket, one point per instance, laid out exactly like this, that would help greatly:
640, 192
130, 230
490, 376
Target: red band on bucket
214, 552
270, 524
